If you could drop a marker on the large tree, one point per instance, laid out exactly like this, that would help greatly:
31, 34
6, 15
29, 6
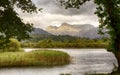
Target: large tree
108, 12
11, 25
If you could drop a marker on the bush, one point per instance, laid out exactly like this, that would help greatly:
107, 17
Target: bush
13, 46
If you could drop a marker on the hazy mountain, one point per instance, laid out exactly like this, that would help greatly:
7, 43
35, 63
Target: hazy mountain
38, 31
85, 30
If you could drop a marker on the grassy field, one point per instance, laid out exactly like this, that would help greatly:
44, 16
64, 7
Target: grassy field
42, 58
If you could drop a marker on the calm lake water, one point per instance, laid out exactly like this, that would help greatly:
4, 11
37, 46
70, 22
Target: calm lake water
83, 61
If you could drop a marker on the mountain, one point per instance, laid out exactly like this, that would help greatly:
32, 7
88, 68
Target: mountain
67, 29
38, 31
85, 30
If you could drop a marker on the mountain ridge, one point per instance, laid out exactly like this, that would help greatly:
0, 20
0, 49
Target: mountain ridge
39, 31
84, 30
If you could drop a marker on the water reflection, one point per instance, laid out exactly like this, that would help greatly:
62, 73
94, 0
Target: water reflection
83, 61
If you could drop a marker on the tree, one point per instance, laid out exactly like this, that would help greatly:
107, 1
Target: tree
11, 25
108, 12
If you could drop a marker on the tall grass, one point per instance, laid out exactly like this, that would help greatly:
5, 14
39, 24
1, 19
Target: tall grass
34, 58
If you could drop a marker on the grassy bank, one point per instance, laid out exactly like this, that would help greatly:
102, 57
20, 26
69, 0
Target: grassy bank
43, 58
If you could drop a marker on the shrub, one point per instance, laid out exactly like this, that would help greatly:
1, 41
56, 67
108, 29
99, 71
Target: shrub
13, 46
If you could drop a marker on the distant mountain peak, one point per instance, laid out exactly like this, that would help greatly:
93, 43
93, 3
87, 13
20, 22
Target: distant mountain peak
83, 30
51, 27
68, 29
39, 31
87, 25
65, 24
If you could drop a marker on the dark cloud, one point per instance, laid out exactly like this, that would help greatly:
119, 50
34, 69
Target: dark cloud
53, 7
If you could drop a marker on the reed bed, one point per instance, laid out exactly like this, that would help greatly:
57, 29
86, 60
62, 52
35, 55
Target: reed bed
41, 58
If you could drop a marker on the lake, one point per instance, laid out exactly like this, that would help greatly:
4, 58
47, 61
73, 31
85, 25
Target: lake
82, 61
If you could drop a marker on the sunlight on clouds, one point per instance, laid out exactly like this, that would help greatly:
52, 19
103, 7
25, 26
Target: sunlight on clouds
54, 15
43, 20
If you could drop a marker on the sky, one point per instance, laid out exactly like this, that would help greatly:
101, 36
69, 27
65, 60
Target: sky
54, 14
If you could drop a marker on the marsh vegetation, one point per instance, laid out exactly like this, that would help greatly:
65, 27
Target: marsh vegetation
41, 58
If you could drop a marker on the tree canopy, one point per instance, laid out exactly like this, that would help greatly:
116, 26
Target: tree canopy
11, 25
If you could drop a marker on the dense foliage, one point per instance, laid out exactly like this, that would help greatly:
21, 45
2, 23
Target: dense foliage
13, 46
66, 41
11, 25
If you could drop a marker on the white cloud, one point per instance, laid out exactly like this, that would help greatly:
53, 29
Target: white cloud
43, 20
54, 15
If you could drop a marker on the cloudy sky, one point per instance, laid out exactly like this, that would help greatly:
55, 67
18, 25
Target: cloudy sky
54, 14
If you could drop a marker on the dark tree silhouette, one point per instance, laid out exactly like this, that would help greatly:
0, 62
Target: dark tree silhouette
11, 25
